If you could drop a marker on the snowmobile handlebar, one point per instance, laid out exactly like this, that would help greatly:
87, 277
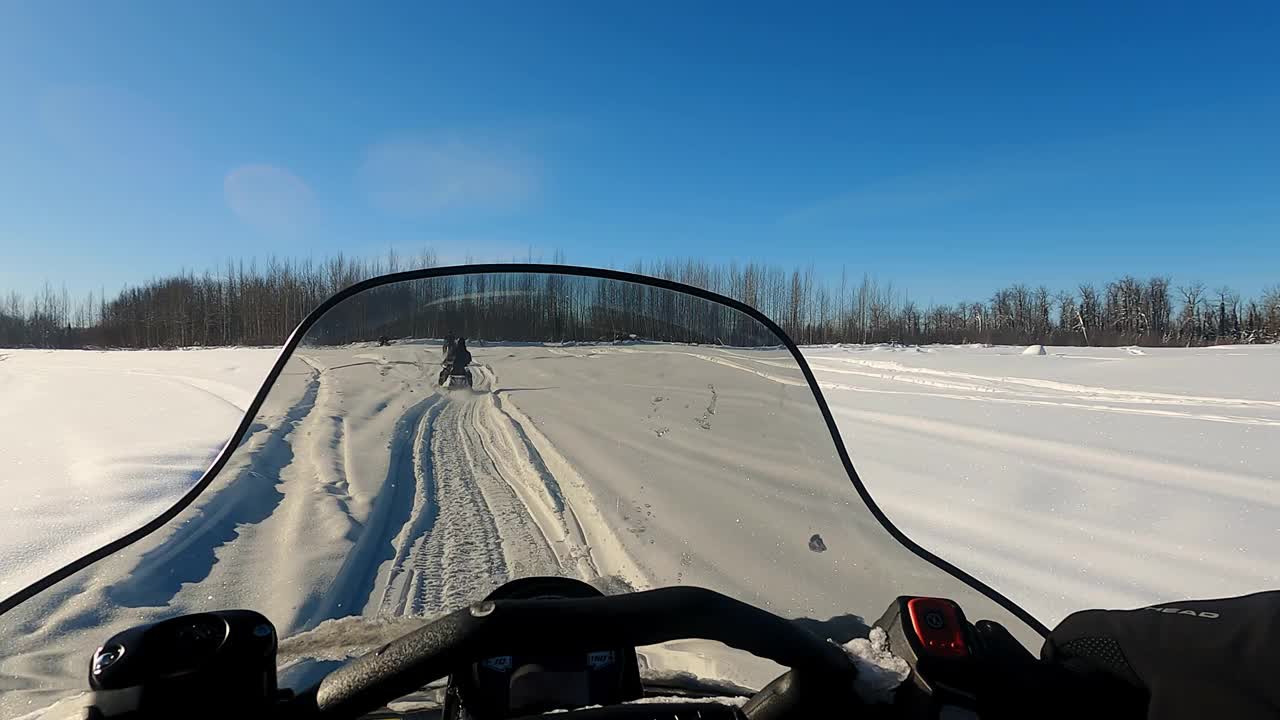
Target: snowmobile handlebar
489, 628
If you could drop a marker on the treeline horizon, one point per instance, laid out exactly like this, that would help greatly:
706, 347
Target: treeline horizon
260, 303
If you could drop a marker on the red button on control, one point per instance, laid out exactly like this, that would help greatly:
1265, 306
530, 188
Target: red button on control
937, 625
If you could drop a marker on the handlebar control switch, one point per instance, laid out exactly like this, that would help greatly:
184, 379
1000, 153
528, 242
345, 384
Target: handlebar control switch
938, 627
935, 639
223, 662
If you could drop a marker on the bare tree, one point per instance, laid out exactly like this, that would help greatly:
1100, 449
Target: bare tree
1228, 314
1069, 318
1158, 309
1090, 310
1189, 321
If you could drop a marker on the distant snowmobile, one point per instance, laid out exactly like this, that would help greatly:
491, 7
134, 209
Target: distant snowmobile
454, 372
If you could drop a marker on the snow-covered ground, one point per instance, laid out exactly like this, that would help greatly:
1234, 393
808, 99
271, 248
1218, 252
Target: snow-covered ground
1087, 477
1076, 478
94, 443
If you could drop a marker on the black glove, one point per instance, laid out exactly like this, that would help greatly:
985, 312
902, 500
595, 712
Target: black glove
1175, 661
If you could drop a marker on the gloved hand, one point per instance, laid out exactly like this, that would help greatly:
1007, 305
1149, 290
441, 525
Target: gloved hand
1173, 661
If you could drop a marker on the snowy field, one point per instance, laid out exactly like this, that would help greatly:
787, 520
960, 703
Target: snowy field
95, 443
1088, 477
1079, 478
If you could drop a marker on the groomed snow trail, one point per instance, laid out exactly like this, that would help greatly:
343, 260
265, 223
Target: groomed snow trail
481, 515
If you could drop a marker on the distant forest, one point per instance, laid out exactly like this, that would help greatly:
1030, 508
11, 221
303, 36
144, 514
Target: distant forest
259, 303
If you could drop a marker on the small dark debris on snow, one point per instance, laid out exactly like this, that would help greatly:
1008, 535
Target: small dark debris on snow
816, 544
658, 398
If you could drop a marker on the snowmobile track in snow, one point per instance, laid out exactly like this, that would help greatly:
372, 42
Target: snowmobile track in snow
475, 521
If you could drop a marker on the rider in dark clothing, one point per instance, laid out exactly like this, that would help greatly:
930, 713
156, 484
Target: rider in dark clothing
456, 358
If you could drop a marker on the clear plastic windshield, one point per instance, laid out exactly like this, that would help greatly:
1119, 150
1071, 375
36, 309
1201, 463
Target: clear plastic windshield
623, 434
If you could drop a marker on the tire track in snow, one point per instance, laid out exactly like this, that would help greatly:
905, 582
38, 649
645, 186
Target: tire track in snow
469, 530
1151, 472
589, 535
1069, 400
972, 382
1069, 539
522, 465
526, 472
394, 509
1002, 390
524, 542
460, 557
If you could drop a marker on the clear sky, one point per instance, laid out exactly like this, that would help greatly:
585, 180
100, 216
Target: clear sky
949, 147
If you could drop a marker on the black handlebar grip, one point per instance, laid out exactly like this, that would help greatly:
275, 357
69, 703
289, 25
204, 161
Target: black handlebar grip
515, 626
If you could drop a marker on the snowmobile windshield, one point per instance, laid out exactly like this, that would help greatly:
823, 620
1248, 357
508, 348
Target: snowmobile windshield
629, 434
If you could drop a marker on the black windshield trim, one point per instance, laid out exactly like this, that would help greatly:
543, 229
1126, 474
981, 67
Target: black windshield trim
510, 268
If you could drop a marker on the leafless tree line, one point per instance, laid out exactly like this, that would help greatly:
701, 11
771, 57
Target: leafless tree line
260, 304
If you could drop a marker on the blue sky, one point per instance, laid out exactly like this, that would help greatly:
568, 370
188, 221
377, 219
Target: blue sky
948, 147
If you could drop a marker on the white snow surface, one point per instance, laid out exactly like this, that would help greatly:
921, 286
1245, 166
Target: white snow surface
1090, 477
1085, 477
1106, 477
93, 444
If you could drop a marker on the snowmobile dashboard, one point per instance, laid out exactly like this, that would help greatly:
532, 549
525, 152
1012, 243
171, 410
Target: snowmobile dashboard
523, 652
133, 675
821, 673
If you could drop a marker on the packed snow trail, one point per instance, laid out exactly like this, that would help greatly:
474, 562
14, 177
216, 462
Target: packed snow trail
481, 514
452, 546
